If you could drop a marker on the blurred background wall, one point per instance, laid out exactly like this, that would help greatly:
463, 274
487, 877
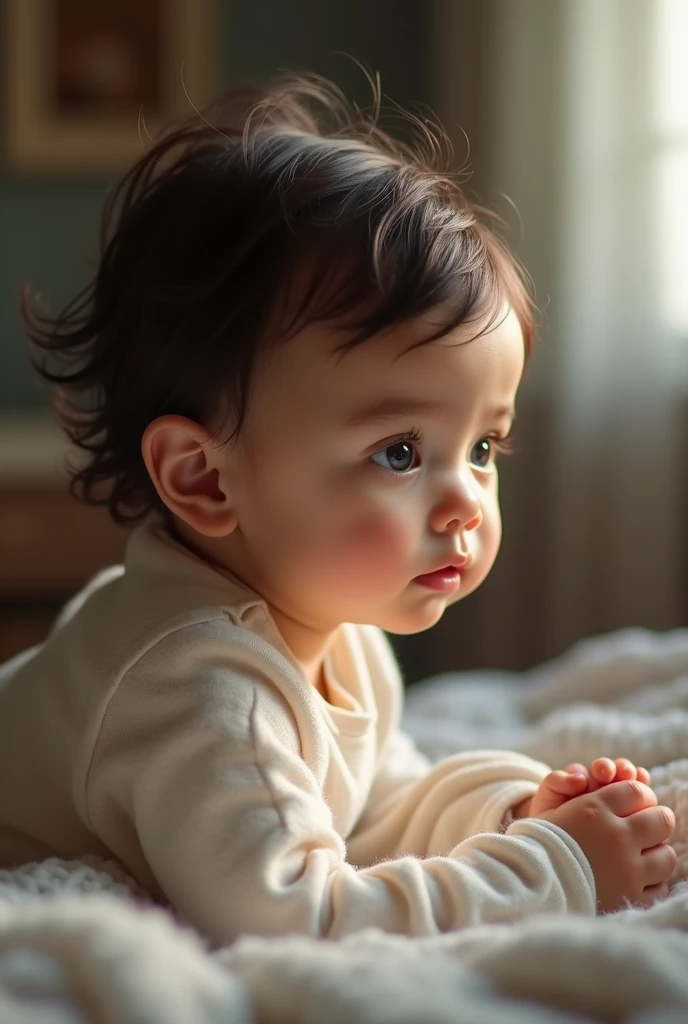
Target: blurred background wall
577, 117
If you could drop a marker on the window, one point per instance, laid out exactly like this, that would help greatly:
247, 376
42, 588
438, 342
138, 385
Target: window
670, 153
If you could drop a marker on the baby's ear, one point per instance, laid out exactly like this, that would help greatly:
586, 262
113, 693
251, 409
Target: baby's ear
185, 465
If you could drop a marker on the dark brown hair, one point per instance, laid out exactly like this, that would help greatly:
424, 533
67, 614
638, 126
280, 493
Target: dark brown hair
206, 232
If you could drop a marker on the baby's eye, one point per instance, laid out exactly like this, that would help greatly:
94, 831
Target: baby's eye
399, 457
482, 453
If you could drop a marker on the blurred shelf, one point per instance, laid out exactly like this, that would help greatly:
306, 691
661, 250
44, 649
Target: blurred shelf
33, 451
50, 543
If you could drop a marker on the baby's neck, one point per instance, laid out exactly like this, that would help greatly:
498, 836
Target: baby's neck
308, 644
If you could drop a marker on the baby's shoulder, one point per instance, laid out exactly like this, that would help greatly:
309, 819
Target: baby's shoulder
208, 648
208, 667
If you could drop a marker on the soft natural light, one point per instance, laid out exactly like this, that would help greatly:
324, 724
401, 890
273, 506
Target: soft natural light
672, 179
671, 66
671, 127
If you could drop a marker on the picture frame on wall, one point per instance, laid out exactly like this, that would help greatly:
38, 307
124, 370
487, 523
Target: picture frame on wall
85, 82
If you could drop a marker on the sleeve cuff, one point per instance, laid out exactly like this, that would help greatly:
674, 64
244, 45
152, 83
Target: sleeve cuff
568, 860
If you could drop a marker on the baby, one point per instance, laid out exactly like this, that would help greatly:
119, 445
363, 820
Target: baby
297, 364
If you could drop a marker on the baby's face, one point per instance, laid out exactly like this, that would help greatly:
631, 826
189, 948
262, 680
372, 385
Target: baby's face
359, 478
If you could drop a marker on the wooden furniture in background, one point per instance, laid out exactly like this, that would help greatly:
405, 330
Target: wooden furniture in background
50, 543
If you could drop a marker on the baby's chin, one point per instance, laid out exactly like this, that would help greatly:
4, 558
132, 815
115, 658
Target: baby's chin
416, 620
422, 614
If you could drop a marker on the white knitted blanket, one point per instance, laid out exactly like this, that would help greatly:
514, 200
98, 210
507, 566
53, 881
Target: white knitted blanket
78, 942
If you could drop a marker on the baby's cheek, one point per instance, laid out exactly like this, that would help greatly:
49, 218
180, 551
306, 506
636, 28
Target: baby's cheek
379, 531
492, 533
374, 548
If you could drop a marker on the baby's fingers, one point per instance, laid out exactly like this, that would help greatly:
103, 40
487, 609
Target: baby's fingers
653, 894
652, 826
556, 789
603, 771
625, 769
624, 798
658, 864
565, 783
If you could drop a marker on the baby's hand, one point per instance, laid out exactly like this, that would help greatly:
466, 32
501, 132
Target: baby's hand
560, 786
623, 834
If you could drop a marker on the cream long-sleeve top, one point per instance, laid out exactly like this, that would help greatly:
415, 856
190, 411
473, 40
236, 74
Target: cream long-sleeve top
166, 722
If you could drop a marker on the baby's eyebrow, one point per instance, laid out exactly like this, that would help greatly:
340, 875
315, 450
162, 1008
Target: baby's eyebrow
393, 408
502, 412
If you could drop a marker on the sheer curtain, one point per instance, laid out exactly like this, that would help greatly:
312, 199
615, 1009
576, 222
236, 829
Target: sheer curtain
620, 377
582, 121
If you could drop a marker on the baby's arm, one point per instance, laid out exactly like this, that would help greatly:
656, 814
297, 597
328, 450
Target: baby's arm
208, 786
